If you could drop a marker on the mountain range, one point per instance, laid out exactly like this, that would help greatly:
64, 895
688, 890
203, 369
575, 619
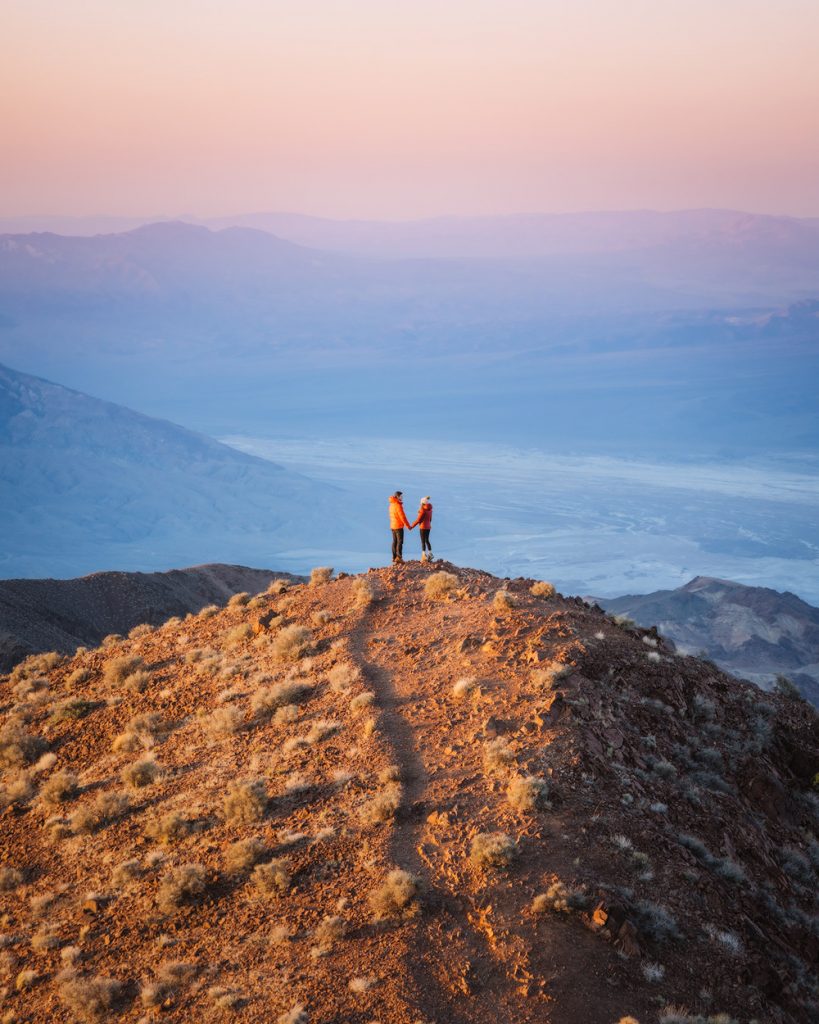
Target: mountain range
753, 632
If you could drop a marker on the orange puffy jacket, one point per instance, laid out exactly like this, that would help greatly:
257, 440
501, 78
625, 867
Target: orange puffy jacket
398, 518
424, 519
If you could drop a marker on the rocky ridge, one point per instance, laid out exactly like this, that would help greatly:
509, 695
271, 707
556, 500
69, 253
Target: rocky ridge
421, 794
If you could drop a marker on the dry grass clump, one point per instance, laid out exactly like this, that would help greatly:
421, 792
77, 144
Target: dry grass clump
78, 676
291, 643
168, 979
143, 629
107, 808
527, 793
19, 747
497, 753
440, 585
239, 600
288, 713
143, 731
560, 899
26, 979
125, 872
269, 699
363, 592
363, 700
143, 772
383, 806
329, 931
225, 998
238, 634
550, 673
322, 730
492, 850
542, 589
321, 574
361, 985
245, 801
46, 937
295, 1015
60, 787
343, 676
397, 896
72, 709
276, 587
208, 611
10, 879
320, 617
181, 885
242, 855
168, 828
273, 876
88, 997
503, 601
117, 670
464, 686
224, 721
17, 792
111, 640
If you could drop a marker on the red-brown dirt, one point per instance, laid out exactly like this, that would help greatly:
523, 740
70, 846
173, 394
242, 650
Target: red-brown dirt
678, 811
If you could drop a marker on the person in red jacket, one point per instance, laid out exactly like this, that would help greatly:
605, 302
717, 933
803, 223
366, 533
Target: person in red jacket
398, 520
424, 522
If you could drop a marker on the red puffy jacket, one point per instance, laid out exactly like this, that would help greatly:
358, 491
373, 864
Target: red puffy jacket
424, 520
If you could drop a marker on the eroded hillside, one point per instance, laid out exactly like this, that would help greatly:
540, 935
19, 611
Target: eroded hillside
406, 797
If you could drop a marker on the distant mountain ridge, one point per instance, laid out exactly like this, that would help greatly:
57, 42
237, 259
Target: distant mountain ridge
92, 485
754, 632
61, 615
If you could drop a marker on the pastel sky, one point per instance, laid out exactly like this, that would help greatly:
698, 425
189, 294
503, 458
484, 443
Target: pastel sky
380, 108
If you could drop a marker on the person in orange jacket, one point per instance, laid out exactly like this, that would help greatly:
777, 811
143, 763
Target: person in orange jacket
398, 520
424, 523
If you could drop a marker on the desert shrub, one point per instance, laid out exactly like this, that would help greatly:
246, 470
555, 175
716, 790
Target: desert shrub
295, 1015
440, 585
137, 682
397, 896
363, 700
542, 589
322, 730
117, 670
291, 643
125, 872
107, 808
239, 634
321, 574
272, 876
46, 937
787, 688
269, 699
652, 972
503, 601
497, 753
60, 787
245, 801
224, 721
361, 985
17, 792
142, 731
71, 710
143, 772
111, 640
560, 899
168, 979
549, 674
392, 773
383, 806
242, 855
26, 979
168, 828
276, 587
88, 997
320, 617
492, 850
623, 621
208, 611
143, 629
288, 713
183, 884
527, 793
10, 878
19, 747
225, 998
363, 592
464, 686
655, 921
79, 676
342, 676
329, 931
239, 600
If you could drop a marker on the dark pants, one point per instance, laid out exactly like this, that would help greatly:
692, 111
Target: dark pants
397, 544
425, 544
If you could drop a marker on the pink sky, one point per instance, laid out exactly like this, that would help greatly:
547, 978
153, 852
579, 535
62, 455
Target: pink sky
380, 108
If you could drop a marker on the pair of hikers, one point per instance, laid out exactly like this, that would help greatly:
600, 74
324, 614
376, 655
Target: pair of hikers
398, 521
